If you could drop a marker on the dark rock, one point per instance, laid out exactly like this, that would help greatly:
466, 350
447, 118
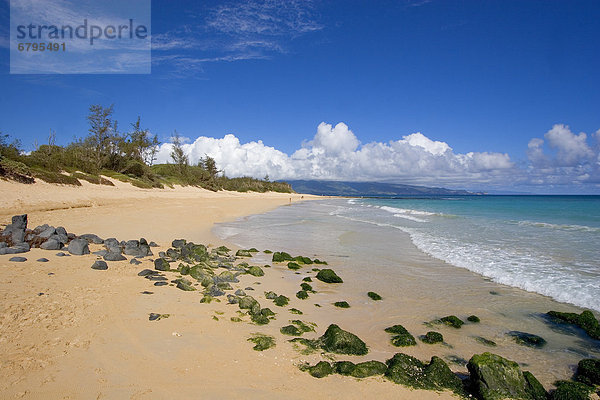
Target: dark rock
18, 259
566, 390
161, 264
585, 321
61, 254
42, 260
528, 339
100, 253
100, 265
321, 369
91, 238
453, 321
135, 261
485, 341
270, 295
473, 318
47, 233
328, 276
240, 292
374, 296
111, 242
432, 337
494, 377
588, 371
157, 317
232, 299
110, 256
147, 272
160, 283
152, 244
302, 295
249, 288
214, 291
78, 247
341, 304
228, 276
178, 243
336, 340
3, 245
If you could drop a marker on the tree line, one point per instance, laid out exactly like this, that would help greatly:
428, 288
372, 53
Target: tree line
129, 156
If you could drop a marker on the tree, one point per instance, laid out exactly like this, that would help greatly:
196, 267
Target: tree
99, 139
177, 155
210, 165
143, 147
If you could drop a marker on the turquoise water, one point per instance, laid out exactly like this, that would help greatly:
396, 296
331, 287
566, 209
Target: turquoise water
544, 244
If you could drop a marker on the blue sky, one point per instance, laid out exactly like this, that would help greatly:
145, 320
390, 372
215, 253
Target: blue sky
488, 79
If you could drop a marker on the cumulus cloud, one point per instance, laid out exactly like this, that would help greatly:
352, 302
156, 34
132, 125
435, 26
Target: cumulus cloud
336, 153
567, 159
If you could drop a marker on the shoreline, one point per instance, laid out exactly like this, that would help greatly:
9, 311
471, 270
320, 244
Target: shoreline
63, 322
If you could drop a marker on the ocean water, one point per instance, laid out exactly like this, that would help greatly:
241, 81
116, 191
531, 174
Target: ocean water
544, 244
508, 260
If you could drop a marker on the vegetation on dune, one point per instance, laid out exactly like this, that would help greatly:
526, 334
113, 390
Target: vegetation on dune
126, 156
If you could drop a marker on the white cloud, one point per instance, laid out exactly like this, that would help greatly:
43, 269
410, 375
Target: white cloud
336, 153
572, 149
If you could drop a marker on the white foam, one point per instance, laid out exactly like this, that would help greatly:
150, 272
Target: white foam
565, 227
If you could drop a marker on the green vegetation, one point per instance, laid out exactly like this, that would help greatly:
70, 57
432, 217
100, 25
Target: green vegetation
401, 337
453, 321
262, 342
328, 276
125, 156
585, 321
432, 337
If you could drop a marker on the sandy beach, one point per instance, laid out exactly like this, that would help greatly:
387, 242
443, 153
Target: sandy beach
70, 332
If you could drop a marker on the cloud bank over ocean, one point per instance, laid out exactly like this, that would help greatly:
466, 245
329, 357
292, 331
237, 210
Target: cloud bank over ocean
336, 153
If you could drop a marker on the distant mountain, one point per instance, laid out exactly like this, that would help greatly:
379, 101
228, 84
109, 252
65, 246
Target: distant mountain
339, 188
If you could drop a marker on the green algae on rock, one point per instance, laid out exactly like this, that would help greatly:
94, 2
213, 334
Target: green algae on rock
336, 340
255, 270
485, 341
294, 266
473, 318
374, 296
302, 295
281, 301
161, 264
453, 321
321, 369
528, 339
494, 377
281, 257
185, 285
341, 304
588, 371
306, 287
585, 321
401, 337
243, 253
432, 337
328, 276
296, 311
262, 342
290, 330
567, 390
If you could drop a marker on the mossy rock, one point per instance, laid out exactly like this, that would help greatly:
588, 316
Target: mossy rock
157, 317
255, 270
296, 311
161, 264
317, 261
236, 319
588, 371
368, 368
374, 296
306, 287
267, 312
293, 265
243, 253
344, 367
259, 319
403, 340
528, 339
585, 321
432, 337
410, 371
302, 295
303, 260
567, 390
262, 342
534, 387
228, 276
494, 377
290, 330
473, 318
336, 340
267, 251
281, 301
303, 327
281, 257
222, 249
185, 285
321, 369
248, 303
307, 279
485, 342
252, 250
207, 299
341, 304
453, 321
328, 276
184, 269
270, 295
224, 286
